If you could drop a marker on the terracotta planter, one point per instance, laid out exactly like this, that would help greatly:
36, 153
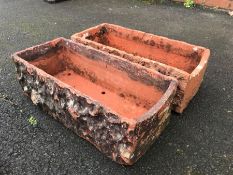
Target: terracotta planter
185, 62
118, 106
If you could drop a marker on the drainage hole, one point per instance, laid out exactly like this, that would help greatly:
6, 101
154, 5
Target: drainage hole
103, 92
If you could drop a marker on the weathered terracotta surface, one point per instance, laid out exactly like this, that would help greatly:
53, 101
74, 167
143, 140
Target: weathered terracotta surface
224, 4
185, 62
118, 106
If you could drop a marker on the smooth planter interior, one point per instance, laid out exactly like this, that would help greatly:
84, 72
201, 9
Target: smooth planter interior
119, 90
174, 54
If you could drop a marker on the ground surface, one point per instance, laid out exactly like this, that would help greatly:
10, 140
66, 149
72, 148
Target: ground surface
198, 142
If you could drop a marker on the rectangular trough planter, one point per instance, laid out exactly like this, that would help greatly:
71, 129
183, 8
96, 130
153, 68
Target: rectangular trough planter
185, 62
118, 106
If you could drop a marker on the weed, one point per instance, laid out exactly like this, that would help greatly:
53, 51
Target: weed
189, 3
32, 121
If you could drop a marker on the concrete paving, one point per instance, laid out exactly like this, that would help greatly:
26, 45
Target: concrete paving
199, 141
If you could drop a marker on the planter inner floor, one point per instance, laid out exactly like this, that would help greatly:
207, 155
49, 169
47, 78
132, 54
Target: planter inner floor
134, 43
102, 82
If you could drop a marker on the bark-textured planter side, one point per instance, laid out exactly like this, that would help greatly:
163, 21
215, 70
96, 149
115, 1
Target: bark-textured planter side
80, 104
185, 62
223, 4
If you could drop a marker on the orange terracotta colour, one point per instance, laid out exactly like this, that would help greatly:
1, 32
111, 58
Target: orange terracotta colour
124, 105
224, 4
183, 61
113, 88
132, 45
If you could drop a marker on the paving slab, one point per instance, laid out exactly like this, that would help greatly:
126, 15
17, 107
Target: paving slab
197, 142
